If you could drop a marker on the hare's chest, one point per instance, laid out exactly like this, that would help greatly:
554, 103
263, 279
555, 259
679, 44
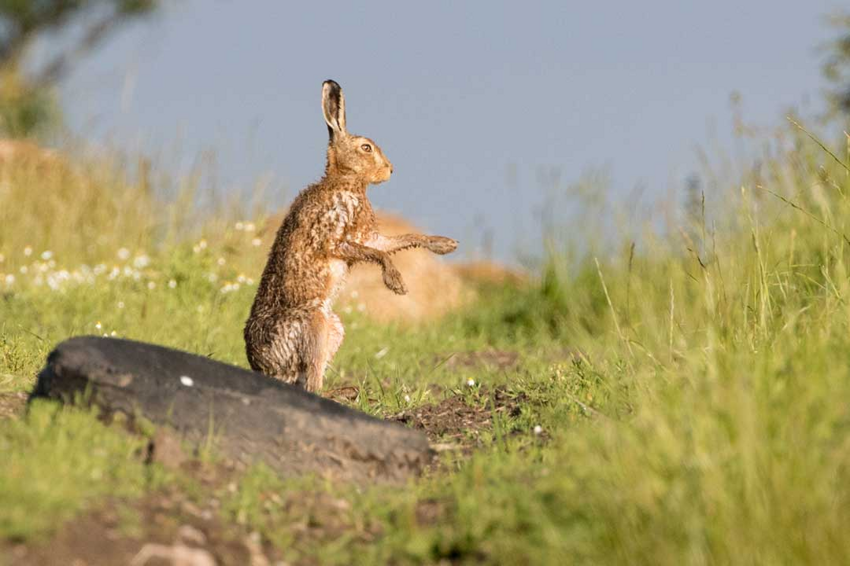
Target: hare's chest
346, 213
361, 221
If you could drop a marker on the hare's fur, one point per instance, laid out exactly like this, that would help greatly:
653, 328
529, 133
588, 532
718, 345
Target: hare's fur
292, 333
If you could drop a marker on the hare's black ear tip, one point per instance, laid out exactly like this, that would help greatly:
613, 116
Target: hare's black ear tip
332, 84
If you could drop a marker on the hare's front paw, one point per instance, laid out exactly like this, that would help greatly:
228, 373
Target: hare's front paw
441, 245
393, 280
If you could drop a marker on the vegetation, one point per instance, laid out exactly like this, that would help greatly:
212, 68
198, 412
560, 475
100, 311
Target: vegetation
837, 66
27, 106
681, 401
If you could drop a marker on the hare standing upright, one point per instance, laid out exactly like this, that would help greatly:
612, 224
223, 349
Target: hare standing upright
292, 333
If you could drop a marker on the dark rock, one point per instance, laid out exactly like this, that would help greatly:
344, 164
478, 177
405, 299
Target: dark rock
248, 416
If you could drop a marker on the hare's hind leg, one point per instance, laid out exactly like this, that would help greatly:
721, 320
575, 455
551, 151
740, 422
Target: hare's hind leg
317, 342
336, 334
274, 347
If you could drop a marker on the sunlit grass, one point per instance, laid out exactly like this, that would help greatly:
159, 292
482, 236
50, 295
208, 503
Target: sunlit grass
683, 400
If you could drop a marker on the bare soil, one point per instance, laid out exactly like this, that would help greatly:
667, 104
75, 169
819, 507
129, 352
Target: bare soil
12, 405
158, 529
455, 423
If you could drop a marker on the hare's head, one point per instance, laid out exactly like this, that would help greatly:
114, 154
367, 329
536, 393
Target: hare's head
350, 155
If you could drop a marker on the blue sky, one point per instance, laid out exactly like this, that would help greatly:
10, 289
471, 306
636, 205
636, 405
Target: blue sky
457, 94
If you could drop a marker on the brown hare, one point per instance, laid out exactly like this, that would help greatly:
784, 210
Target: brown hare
292, 333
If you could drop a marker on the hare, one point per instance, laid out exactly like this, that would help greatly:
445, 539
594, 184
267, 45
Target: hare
292, 333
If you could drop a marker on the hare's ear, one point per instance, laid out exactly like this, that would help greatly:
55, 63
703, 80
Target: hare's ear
333, 107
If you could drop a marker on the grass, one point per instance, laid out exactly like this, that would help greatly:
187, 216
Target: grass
704, 418
57, 461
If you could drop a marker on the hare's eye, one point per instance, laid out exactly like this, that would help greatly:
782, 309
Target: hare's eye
366, 147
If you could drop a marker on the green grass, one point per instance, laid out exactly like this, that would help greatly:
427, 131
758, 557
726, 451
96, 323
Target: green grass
705, 420
58, 461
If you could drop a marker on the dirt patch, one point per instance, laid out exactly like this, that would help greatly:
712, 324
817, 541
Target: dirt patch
159, 529
456, 422
453, 423
170, 526
12, 405
166, 449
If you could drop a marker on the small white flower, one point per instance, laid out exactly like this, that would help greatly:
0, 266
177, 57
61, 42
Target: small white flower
151, 285
202, 244
186, 380
470, 382
249, 227
172, 284
241, 278
354, 294
120, 304
123, 254
361, 307
141, 261
46, 255
113, 333
212, 277
538, 429
239, 226
24, 269
221, 261
98, 325
10, 279
256, 242
249, 281
27, 251
407, 398
382, 352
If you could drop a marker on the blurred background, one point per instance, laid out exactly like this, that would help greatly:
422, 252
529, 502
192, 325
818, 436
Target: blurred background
502, 123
